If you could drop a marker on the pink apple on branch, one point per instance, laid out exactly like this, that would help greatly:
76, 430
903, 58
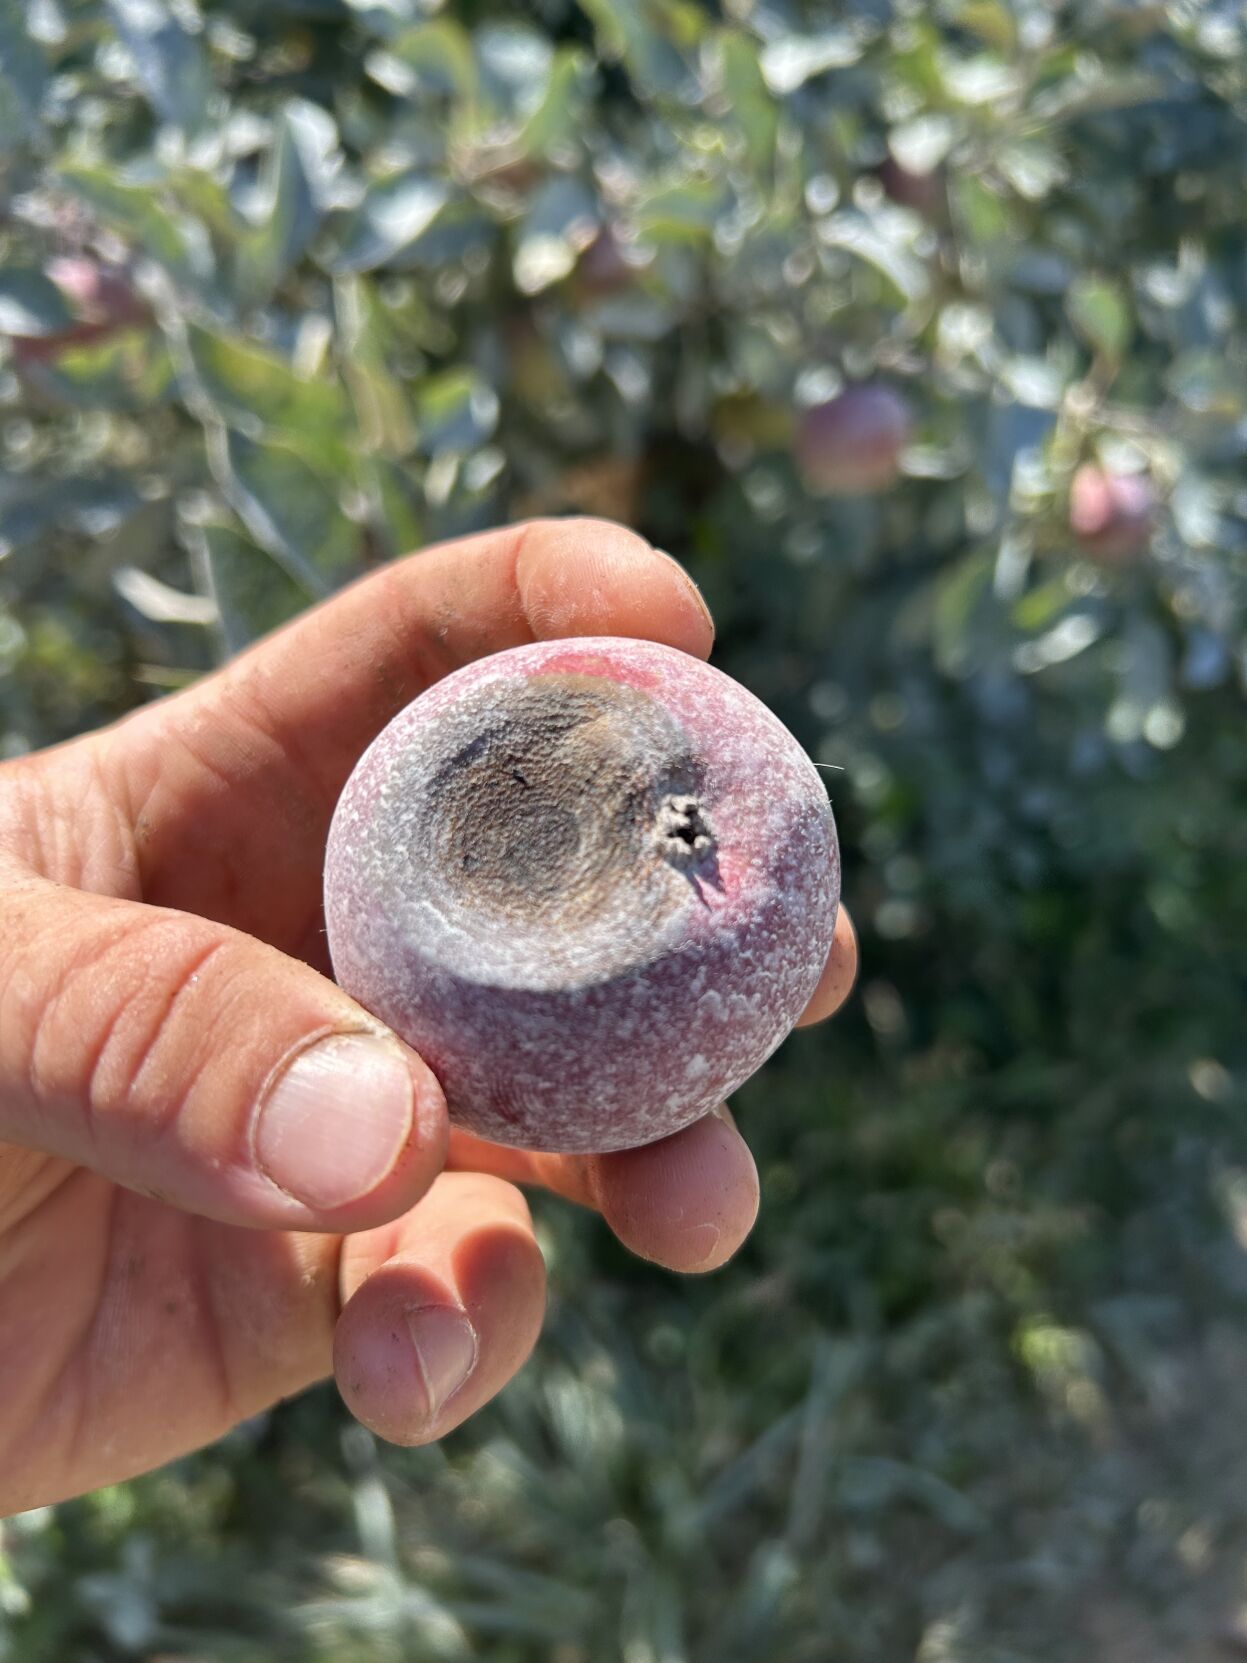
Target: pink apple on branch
853, 443
97, 292
102, 300
1111, 514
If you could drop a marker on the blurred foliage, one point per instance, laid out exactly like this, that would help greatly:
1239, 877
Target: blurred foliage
292, 286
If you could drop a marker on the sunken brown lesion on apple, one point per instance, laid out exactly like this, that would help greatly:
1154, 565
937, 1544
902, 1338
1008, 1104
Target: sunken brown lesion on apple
555, 797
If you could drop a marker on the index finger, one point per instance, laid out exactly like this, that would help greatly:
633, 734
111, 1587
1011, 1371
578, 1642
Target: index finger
230, 786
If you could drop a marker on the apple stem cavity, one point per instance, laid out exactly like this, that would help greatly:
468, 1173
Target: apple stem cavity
685, 837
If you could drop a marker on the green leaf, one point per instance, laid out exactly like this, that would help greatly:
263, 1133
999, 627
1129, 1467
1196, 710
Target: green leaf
288, 508
1207, 385
456, 411
687, 210
513, 64
30, 508
915, 64
1040, 607
1099, 312
382, 408
889, 255
461, 229
168, 59
990, 21
130, 371
790, 61
979, 82
555, 122
963, 616
386, 17
393, 513
23, 77
982, 211
252, 592
31, 304
1145, 671
252, 389
434, 58
293, 194
650, 39
1092, 89
561, 216
747, 93
391, 221
135, 211
1033, 167
159, 602
207, 201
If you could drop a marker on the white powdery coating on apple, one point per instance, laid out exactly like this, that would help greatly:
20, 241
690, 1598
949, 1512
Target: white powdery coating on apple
675, 979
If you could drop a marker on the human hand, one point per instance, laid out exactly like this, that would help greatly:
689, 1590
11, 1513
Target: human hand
222, 1178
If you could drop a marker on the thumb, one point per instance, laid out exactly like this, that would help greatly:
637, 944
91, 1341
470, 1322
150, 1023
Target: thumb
182, 1058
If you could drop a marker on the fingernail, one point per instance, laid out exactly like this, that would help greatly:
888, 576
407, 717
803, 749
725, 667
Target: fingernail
723, 1113
334, 1122
692, 588
446, 1345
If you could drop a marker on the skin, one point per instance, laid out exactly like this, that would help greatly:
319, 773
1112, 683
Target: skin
162, 954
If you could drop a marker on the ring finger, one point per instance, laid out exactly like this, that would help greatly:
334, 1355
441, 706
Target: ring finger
441, 1308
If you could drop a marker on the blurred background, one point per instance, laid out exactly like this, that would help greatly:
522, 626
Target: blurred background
920, 334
